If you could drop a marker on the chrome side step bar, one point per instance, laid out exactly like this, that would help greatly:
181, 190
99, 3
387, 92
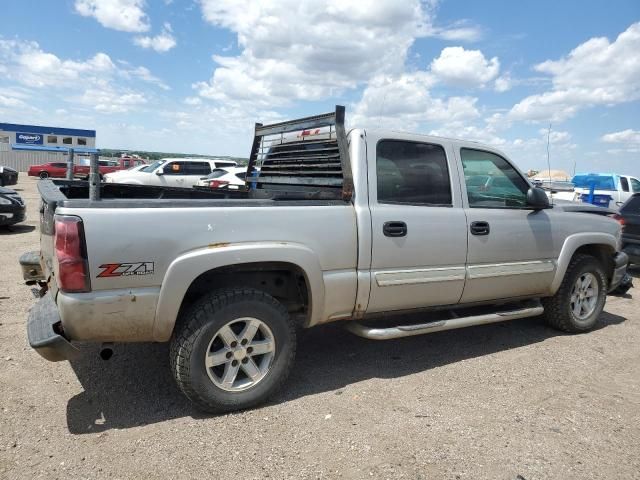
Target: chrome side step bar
440, 325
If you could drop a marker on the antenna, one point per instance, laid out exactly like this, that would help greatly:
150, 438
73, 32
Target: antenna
549, 162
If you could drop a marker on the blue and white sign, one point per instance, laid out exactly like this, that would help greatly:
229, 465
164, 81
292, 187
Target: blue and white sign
29, 138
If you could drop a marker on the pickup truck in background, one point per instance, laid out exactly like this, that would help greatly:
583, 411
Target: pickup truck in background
335, 226
106, 166
618, 188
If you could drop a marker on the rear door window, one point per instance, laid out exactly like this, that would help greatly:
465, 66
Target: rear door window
197, 168
412, 173
635, 185
624, 183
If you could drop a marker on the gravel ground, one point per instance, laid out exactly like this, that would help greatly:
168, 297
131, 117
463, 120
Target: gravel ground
490, 402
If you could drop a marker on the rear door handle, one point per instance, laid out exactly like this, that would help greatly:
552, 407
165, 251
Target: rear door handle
394, 229
480, 228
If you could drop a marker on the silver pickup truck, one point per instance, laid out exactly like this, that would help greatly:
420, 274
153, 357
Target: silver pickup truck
333, 226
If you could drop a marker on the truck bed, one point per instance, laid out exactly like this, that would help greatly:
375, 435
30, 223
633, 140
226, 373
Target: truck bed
75, 194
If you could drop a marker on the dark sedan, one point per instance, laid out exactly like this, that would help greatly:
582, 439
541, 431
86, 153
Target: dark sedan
12, 208
8, 176
629, 217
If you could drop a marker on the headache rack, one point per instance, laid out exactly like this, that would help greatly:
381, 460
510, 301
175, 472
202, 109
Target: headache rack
305, 157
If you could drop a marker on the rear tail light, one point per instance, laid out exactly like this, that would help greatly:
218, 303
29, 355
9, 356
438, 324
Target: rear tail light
71, 254
217, 183
620, 220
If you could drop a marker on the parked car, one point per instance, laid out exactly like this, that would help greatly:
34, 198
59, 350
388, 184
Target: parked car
81, 167
232, 178
618, 188
170, 172
348, 228
12, 207
8, 176
119, 173
629, 217
106, 167
46, 170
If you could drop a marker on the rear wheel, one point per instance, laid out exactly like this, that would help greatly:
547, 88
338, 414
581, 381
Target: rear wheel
580, 299
44, 175
233, 350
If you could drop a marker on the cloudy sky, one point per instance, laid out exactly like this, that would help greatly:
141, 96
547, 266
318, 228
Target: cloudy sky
194, 76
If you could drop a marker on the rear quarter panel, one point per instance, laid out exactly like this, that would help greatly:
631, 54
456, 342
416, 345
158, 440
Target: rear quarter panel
186, 242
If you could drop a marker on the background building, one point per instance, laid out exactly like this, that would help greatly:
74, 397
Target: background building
24, 145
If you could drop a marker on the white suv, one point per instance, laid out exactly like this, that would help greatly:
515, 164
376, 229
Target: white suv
172, 172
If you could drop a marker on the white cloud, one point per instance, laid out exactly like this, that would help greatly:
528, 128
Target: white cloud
405, 101
460, 31
597, 72
123, 15
163, 42
308, 50
144, 74
467, 68
109, 100
503, 83
303, 49
103, 84
628, 136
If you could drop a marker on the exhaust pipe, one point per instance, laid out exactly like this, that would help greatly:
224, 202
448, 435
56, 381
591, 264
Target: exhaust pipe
106, 352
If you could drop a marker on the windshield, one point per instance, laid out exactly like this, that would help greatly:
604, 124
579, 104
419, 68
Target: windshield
599, 182
217, 173
153, 166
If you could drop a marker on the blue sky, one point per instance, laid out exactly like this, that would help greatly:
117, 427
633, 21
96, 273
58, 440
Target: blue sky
193, 76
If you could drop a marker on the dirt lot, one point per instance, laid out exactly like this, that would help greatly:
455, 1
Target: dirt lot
488, 402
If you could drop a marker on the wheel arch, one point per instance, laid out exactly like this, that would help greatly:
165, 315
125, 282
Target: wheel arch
599, 245
270, 267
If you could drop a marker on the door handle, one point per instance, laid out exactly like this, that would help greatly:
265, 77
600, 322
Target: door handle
480, 228
394, 229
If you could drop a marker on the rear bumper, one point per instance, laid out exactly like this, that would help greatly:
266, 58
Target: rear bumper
11, 214
633, 252
620, 262
9, 179
43, 325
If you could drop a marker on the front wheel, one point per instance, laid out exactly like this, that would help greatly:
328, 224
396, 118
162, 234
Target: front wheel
233, 350
579, 301
44, 175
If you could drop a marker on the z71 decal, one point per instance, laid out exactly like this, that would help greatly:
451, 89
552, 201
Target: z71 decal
126, 269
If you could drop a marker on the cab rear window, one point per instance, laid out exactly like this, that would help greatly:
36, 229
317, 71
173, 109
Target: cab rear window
599, 182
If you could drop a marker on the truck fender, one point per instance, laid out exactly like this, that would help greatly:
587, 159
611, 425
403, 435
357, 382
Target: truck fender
571, 244
189, 266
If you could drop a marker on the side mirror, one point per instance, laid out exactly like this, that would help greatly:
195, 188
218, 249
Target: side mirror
537, 198
159, 172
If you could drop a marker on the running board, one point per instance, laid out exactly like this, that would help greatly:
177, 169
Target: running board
440, 325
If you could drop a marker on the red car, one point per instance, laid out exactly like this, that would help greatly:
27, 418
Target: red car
107, 166
59, 169
46, 170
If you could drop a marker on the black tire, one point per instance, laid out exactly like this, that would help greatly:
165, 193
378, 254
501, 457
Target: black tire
557, 309
43, 175
197, 328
